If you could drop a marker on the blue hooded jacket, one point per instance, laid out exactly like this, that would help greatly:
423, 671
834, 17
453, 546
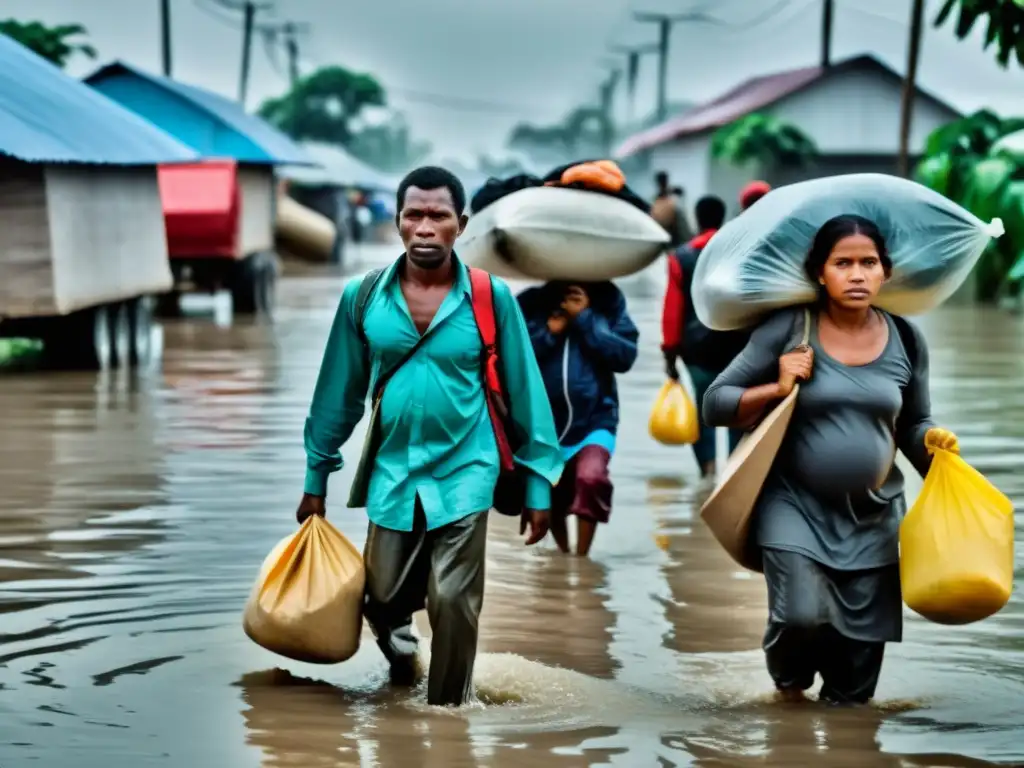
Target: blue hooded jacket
579, 365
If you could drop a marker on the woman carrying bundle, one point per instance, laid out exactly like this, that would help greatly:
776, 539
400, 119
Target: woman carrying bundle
827, 520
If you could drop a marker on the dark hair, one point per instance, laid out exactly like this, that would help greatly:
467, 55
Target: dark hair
710, 212
678, 191
661, 179
834, 230
432, 177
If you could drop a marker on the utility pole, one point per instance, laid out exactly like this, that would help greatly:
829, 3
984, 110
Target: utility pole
249, 11
607, 102
165, 35
632, 72
665, 23
291, 44
827, 12
910, 85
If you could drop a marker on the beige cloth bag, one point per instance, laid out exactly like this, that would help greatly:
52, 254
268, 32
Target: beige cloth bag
730, 507
307, 603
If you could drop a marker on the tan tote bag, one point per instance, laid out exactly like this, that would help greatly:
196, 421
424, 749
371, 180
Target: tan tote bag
730, 507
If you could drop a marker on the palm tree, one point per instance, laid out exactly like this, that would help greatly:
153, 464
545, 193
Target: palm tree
1005, 25
52, 43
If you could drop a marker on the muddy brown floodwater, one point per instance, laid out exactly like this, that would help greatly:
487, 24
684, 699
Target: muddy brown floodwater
135, 514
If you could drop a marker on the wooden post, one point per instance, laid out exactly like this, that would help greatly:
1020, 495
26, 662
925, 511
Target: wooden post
910, 86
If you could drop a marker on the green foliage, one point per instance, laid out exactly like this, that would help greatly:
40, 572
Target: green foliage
970, 162
389, 146
327, 106
55, 44
324, 105
762, 139
585, 131
1005, 25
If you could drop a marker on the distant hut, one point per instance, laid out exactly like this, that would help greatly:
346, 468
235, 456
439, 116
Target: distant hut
82, 239
220, 130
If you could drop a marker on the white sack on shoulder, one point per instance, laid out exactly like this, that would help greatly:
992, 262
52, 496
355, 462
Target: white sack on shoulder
755, 263
554, 233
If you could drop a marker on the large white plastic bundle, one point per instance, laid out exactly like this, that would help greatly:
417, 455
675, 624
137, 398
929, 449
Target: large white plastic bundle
556, 233
755, 263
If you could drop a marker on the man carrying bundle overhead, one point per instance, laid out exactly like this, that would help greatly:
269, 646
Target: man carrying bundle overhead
582, 336
704, 352
413, 336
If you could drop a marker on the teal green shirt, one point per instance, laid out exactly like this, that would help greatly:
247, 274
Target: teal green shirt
438, 441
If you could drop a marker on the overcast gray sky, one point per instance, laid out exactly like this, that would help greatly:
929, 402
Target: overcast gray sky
465, 71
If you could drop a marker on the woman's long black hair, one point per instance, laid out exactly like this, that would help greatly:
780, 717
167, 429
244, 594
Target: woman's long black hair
834, 230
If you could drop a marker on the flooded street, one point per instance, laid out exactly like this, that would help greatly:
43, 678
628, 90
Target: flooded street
135, 515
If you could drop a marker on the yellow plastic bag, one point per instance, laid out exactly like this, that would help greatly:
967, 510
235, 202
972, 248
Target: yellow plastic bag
956, 545
307, 603
674, 416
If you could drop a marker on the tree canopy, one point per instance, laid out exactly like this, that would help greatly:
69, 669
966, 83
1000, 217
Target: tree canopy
55, 44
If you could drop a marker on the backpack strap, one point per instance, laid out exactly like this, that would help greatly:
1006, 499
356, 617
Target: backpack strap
366, 286
487, 324
908, 337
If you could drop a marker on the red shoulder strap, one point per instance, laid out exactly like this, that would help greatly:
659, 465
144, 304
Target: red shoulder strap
483, 305
487, 325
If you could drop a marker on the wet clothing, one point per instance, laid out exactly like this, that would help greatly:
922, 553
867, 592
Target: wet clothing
579, 365
585, 489
706, 449
678, 323
440, 569
438, 441
827, 520
829, 622
834, 493
678, 307
683, 334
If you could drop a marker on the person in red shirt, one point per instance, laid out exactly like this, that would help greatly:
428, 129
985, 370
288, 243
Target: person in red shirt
753, 192
704, 352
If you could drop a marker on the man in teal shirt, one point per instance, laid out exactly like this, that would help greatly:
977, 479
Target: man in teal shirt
434, 474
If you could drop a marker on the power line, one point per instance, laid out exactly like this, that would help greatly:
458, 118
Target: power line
227, 21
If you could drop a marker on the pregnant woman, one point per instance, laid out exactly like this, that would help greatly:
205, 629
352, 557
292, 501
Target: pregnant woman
827, 521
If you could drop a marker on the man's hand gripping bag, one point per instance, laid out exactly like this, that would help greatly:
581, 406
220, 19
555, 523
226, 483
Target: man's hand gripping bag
307, 603
956, 545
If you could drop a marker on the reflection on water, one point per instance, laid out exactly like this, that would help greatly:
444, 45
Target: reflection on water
135, 514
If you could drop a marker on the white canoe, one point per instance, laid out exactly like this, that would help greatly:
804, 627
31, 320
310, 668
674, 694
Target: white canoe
302, 232
553, 233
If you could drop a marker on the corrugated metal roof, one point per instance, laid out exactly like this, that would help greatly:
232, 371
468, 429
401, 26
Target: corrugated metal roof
747, 97
279, 148
339, 167
47, 116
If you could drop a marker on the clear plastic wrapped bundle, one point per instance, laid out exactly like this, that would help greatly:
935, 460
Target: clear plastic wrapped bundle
755, 263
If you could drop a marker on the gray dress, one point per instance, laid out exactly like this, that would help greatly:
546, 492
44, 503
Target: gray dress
834, 494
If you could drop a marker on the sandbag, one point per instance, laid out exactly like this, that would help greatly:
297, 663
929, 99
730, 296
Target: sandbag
755, 263
674, 416
307, 603
556, 233
956, 545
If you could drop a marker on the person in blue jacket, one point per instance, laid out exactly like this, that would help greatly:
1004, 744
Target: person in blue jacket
582, 336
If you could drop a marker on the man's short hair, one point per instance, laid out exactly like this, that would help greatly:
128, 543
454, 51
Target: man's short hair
710, 212
430, 177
